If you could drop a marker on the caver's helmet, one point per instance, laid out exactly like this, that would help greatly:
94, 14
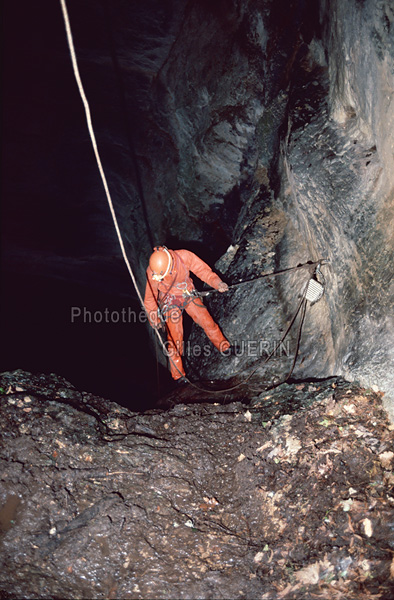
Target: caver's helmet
160, 263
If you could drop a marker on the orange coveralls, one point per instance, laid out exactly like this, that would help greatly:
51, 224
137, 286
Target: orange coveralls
172, 295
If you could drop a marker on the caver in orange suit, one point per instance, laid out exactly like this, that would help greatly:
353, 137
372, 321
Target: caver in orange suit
171, 290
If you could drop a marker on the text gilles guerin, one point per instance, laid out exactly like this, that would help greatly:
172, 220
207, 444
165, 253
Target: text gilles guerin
127, 315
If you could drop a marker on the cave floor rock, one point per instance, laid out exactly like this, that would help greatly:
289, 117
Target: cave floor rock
290, 496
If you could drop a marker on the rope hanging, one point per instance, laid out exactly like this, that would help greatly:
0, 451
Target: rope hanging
97, 155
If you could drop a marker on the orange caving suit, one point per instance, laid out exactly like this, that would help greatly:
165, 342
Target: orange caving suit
172, 295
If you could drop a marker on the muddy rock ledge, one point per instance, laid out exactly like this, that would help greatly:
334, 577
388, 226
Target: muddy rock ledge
290, 496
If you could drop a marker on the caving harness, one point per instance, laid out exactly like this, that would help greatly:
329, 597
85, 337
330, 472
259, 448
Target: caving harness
167, 301
175, 302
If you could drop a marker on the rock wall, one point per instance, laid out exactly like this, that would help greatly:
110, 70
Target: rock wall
362, 87
278, 147
338, 166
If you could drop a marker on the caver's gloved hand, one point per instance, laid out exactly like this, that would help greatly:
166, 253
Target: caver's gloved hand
222, 287
155, 321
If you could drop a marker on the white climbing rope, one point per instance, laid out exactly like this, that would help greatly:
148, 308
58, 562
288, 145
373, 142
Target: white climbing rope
94, 143
97, 155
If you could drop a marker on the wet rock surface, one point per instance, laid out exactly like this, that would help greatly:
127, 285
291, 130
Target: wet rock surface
288, 495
